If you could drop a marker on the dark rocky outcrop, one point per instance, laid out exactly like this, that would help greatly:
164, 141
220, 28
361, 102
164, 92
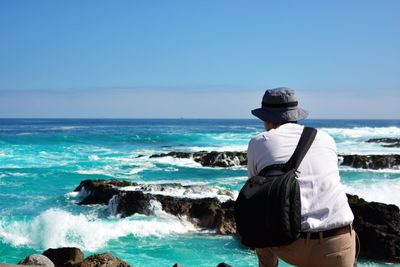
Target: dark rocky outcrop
378, 227
98, 192
203, 212
377, 224
104, 260
36, 259
210, 159
388, 142
372, 161
232, 159
207, 213
68, 256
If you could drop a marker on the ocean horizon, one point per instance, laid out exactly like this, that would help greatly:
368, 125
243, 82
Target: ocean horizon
43, 160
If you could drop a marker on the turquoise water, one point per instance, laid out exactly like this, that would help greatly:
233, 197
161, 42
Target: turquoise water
42, 161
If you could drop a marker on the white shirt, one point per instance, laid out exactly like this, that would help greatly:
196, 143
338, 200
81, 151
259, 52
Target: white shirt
324, 203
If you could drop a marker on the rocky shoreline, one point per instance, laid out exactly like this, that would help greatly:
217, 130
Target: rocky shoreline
74, 257
236, 159
377, 224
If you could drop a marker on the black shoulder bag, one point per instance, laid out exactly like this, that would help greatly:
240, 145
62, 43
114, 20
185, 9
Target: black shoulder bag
268, 208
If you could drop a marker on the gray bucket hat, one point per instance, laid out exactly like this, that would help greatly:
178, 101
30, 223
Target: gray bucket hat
279, 105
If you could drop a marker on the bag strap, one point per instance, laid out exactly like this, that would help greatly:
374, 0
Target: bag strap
305, 142
306, 139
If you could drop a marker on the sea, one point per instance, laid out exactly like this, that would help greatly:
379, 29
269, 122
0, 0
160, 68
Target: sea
42, 161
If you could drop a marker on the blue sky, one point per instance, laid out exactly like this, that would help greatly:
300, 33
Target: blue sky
198, 59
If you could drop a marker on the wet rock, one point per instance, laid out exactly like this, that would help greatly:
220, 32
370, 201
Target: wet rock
223, 264
388, 142
372, 161
68, 256
104, 260
231, 159
378, 227
204, 212
211, 159
177, 265
99, 191
37, 259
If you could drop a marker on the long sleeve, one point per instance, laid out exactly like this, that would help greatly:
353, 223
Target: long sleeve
251, 168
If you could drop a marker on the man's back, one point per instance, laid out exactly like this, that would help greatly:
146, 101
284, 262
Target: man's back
324, 203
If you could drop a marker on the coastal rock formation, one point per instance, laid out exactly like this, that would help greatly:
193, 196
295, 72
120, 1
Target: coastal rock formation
68, 256
104, 260
99, 192
210, 159
378, 227
207, 213
388, 142
37, 259
232, 159
372, 161
377, 224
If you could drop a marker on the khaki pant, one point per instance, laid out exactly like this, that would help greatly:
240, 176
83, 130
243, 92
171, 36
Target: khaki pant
335, 251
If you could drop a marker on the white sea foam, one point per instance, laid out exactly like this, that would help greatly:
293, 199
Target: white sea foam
367, 132
92, 172
191, 191
231, 148
353, 140
59, 228
66, 128
378, 190
396, 169
93, 157
183, 162
24, 133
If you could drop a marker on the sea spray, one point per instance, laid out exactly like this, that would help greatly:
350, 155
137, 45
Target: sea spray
59, 228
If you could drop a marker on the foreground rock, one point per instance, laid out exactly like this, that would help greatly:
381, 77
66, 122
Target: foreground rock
68, 257
234, 159
377, 224
388, 142
37, 259
378, 227
104, 260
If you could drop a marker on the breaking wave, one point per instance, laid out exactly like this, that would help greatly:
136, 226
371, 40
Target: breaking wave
59, 228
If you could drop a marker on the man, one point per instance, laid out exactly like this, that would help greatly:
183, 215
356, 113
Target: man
327, 238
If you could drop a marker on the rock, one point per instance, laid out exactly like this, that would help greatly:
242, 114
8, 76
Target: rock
100, 191
205, 212
372, 161
231, 159
37, 259
68, 256
227, 226
223, 264
104, 260
392, 145
378, 227
210, 159
383, 140
222, 159
177, 265
389, 142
